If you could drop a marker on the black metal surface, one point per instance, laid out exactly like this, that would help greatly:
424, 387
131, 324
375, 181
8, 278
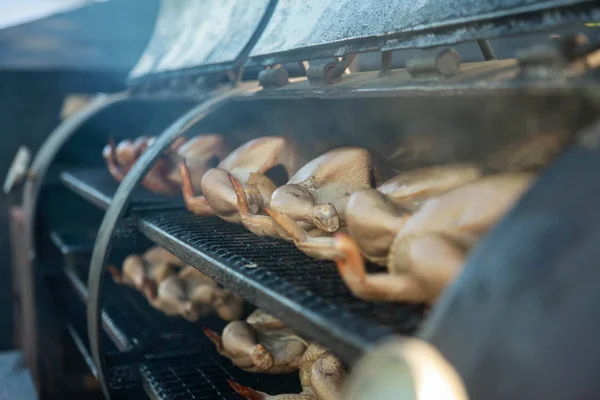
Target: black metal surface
205, 377
64, 294
523, 312
299, 30
307, 294
98, 187
118, 207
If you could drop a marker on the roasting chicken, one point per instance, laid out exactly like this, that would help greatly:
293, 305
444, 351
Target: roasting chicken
201, 153
156, 264
248, 165
367, 211
530, 154
321, 377
191, 294
262, 343
315, 197
425, 251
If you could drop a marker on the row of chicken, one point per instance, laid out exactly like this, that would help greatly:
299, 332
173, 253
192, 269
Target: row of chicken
175, 288
419, 225
260, 344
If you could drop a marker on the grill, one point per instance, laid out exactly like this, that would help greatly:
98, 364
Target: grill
275, 275
271, 272
79, 219
170, 357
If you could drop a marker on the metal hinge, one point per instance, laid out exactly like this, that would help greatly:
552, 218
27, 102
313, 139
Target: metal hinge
18, 171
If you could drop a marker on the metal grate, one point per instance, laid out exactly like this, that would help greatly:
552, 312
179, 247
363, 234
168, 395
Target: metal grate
205, 377
134, 324
122, 379
307, 294
98, 186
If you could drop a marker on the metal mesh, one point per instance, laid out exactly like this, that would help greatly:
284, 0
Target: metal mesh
306, 293
205, 377
130, 319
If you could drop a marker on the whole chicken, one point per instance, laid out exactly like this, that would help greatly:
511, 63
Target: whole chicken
262, 343
247, 164
191, 294
315, 197
156, 264
321, 377
367, 211
425, 251
530, 154
201, 153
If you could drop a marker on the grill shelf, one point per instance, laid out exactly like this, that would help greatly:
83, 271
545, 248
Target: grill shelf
174, 357
307, 294
124, 384
205, 377
98, 187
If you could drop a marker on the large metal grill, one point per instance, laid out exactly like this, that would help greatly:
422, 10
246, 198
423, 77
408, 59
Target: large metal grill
307, 294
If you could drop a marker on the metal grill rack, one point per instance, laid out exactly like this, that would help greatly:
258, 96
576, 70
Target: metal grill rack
124, 384
307, 294
170, 357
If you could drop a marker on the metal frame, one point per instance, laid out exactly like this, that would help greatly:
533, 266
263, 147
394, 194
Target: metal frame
118, 208
37, 173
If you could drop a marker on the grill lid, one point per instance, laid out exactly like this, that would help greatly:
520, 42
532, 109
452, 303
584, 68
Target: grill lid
301, 30
209, 36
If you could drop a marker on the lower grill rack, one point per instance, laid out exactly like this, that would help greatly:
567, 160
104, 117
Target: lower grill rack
206, 377
307, 294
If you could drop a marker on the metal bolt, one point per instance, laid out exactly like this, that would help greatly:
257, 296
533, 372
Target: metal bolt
445, 62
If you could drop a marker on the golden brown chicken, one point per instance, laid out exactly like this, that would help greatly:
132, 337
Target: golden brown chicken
262, 343
191, 294
530, 154
321, 377
425, 251
367, 211
247, 164
201, 153
315, 197
156, 264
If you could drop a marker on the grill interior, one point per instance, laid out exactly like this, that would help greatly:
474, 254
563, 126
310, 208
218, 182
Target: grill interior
170, 358
175, 358
307, 294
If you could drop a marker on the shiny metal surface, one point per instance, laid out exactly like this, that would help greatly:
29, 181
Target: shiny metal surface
303, 30
191, 34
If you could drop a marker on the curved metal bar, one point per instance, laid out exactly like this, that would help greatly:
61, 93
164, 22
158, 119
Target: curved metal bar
50, 148
118, 207
37, 172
